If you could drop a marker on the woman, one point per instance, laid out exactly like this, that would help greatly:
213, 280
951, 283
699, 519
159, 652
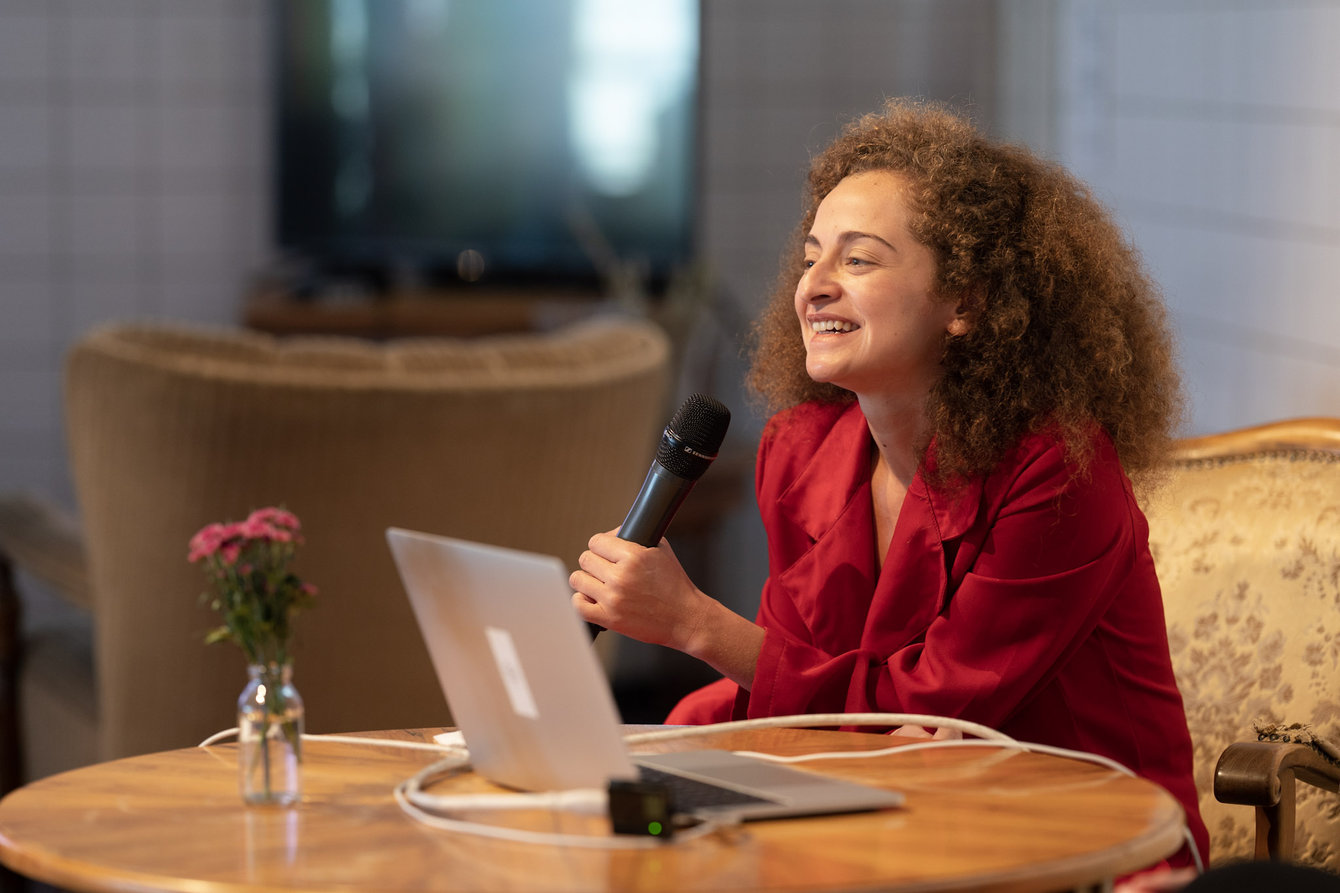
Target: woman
965, 359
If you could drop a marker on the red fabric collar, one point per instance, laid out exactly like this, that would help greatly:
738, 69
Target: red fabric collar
839, 470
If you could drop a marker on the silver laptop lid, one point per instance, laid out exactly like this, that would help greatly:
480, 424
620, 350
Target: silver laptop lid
523, 683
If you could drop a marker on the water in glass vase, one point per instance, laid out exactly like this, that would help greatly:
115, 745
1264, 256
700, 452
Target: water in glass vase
269, 736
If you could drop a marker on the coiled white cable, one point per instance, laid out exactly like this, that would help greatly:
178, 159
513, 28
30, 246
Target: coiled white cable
426, 808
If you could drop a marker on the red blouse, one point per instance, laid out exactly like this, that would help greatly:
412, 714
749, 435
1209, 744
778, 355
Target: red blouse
1026, 601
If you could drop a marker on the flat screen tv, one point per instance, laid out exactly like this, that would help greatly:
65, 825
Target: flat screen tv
491, 141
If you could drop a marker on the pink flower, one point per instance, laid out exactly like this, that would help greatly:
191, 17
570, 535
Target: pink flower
256, 529
207, 542
226, 541
229, 552
276, 517
271, 525
246, 564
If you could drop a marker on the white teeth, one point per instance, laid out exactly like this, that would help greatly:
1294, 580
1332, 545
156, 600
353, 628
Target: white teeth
831, 325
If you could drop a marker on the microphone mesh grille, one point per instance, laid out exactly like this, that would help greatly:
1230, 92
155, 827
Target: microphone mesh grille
700, 426
701, 422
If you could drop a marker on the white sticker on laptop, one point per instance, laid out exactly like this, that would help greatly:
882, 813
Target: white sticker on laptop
513, 677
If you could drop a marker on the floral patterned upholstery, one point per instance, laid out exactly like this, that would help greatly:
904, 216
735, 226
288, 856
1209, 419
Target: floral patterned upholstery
1245, 532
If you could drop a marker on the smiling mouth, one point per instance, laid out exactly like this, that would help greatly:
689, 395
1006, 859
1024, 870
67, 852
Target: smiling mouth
824, 326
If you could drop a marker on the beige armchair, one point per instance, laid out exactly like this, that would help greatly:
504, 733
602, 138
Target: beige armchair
1246, 535
529, 440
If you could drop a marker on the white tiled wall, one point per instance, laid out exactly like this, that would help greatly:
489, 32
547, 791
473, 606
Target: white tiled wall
1213, 129
132, 183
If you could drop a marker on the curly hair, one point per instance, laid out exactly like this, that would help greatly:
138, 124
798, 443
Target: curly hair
1067, 328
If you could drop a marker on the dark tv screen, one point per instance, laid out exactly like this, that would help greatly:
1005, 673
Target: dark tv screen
486, 140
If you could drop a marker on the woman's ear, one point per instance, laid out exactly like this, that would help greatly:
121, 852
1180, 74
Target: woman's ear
965, 313
972, 299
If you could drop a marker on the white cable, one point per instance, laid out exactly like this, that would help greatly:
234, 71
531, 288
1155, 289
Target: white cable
218, 736
808, 720
591, 801
585, 801
953, 742
1195, 850
1032, 747
417, 803
387, 742
518, 835
347, 739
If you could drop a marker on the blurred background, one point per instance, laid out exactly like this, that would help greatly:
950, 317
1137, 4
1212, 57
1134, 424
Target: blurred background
154, 156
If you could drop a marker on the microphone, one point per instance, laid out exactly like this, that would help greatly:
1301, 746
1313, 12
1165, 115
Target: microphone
688, 445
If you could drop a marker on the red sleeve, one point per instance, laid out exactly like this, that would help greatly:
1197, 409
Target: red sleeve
713, 702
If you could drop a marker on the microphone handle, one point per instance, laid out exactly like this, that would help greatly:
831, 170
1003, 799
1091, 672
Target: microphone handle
656, 503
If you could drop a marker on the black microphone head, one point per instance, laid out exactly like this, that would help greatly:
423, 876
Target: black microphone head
694, 436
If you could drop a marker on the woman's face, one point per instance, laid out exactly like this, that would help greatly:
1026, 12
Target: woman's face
866, 303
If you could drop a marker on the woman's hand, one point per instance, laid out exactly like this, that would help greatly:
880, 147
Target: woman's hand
639, 592
644, 593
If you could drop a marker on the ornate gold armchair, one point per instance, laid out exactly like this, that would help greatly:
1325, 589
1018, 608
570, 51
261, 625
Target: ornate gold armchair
1245, 531
533, 440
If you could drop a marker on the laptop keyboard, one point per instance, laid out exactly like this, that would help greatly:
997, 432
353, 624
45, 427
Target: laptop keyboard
689, 794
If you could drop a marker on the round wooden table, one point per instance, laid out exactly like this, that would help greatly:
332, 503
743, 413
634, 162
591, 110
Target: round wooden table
974, 819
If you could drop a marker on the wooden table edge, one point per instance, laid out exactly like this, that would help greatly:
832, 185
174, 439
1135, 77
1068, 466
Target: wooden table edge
1071, 872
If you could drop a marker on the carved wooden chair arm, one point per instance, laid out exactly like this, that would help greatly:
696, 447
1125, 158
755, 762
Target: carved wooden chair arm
1262, 774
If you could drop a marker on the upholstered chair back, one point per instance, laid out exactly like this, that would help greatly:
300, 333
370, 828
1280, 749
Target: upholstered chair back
1245, 532
533, 441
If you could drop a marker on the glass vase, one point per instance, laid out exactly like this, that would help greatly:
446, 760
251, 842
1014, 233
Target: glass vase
269, 736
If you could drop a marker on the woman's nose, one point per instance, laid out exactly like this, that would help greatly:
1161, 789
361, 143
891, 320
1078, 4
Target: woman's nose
817, 283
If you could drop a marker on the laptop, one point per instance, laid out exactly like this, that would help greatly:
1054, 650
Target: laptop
526, 690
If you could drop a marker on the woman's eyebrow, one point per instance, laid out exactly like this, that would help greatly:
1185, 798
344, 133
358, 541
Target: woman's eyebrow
851, 236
